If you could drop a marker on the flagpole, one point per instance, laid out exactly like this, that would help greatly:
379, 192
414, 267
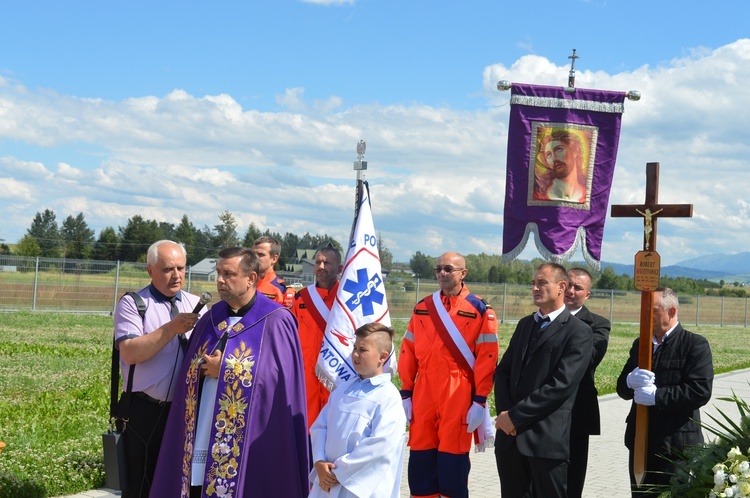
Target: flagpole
361, 295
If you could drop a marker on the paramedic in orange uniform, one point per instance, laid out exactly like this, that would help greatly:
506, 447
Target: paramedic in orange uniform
268, 250
444, 399
311, 306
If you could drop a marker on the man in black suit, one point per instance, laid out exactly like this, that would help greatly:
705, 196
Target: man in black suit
535, 387
678, 384
586, 407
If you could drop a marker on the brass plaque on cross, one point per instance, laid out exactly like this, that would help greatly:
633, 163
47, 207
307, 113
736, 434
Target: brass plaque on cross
647, 270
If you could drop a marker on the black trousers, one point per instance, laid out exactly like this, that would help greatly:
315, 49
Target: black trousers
529, 477
433, 472
143, 436
579, 458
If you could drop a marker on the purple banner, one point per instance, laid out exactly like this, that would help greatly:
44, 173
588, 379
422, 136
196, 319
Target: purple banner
562, 149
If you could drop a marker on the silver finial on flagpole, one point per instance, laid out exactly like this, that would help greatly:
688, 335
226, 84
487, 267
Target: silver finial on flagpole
572, 74
634, 95
504, 85
360, 164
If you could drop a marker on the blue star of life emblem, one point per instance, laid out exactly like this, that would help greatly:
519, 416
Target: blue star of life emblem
365, 292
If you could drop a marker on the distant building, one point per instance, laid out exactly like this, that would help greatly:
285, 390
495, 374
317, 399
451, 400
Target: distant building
302, 269
204, 270
402, 268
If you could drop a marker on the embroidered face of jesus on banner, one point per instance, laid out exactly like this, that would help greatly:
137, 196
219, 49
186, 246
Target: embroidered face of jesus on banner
562, 148
563, 164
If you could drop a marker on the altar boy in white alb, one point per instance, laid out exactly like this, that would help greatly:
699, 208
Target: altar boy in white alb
358, 438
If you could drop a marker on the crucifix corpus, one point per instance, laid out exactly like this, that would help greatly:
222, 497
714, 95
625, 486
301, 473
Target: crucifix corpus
647, 269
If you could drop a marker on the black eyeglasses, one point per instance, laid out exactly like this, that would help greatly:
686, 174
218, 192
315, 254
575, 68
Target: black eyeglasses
446, 269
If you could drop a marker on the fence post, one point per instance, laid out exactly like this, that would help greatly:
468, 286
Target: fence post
746, 299
117, 284
505, 298
697, 307
611, 305
416, 293
190, 274
721, 320
36, 283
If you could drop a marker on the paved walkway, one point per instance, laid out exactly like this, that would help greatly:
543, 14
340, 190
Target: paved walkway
608, 459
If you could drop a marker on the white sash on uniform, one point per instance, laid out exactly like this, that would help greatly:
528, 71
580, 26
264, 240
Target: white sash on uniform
318, 302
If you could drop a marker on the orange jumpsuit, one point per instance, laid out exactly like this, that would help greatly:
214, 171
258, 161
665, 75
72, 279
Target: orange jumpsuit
311, 339
272, 287
442, 392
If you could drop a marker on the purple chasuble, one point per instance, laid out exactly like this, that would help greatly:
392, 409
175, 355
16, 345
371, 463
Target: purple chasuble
258, 444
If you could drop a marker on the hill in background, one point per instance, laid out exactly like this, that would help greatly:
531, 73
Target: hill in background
714, 267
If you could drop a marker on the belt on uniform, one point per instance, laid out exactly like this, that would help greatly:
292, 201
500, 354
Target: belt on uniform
142, 395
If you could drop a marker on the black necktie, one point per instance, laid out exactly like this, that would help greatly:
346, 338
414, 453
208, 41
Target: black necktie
536, 332
175, 309
175, 312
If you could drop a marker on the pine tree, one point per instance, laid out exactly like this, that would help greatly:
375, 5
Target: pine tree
106, 246
46, 233
136, 237
226, 231
78, 237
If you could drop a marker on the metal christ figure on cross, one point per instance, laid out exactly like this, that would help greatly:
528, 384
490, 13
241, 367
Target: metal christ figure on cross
647, 225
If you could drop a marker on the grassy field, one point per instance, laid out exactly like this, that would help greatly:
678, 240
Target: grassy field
54, 393
54, 402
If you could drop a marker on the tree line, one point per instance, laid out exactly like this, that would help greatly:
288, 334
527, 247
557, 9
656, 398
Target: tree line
74, 239
490, 268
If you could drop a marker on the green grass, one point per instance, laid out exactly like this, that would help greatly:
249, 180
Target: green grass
54, 401
54, 393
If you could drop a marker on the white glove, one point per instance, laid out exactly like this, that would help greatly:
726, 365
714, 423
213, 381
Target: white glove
474, 417
640, 378
407, 408
645, 395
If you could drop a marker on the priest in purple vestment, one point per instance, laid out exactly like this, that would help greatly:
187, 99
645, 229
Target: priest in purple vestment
237, 427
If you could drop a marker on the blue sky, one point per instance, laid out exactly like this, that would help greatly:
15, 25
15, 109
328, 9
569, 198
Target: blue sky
164, 108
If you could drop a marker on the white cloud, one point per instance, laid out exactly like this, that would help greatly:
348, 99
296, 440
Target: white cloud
13, 190
437, 174
292, 99
67, 171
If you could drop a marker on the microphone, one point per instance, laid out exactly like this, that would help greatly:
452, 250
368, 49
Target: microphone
205, 299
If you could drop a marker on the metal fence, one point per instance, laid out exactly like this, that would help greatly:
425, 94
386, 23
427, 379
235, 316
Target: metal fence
87, 286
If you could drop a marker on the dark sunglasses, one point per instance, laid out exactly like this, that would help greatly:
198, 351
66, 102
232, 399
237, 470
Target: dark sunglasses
446, 269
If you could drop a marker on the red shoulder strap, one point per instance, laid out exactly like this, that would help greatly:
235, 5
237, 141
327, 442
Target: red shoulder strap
447, 339
305, 295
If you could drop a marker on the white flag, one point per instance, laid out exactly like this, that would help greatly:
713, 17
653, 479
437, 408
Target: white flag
360, 300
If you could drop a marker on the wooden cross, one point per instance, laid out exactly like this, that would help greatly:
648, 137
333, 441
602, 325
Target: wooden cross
649, 210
